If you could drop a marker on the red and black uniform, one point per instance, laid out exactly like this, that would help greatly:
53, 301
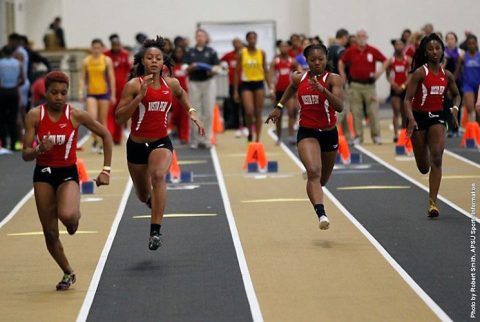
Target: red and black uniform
399, 73
180, 117
283, 69
59, 164
362, 63
150, 121
121, 67
427, 104
317, 119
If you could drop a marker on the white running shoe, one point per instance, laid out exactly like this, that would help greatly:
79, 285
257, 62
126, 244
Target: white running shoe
238, 133
245, 132
324, 223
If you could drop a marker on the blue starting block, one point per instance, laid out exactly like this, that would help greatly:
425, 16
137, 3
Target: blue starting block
471, 144
252, 167
185, 177
272, 166
87, 187
400, 150
355, 158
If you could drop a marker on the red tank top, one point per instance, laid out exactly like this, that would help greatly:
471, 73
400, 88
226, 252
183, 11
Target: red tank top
150, 118
315, 110
400, 70
429, 95
283, 69
62, 134
182, 76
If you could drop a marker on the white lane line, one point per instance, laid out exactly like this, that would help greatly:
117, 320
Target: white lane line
415, 182
92, 289
407, 278
29, 194
459, 157
242, 262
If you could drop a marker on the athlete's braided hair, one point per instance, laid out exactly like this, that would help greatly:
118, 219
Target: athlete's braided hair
420, 57
138, 68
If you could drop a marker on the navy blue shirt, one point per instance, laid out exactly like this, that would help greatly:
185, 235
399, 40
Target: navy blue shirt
206, 56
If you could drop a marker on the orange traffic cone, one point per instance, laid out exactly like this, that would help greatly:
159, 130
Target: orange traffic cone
82, 171
175, 169
464, 121
343, 149
405, 142
340, 130
472, 132
217, 123
351, 127
256, 154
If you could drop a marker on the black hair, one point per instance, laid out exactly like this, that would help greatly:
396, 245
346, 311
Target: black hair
114, 37
278, 42
470, 37
173, 53
341, 33
138, 68
420, 57
393, 41
140, 37
97, 41
309, 48
14, 36
251, 33
177, 40
8, 51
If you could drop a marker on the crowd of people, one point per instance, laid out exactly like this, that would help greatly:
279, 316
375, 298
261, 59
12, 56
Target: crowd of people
168, 87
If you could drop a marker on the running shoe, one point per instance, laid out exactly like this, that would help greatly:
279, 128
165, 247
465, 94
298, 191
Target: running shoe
66, 282
433, 211
155, 241
324, 223
238, 133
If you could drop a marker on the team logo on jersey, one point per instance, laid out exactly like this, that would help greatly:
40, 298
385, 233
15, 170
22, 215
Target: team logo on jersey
437, 90
310, 99
56, 139
63, 125
157, 106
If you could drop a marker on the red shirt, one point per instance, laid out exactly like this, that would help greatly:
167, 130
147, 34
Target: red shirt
315, 110
231, 59
429, 95
292, 52
121, 67
62, 134
283, 69
181, 75
38, 91
410, 50
399, 70
362, 62
150, 118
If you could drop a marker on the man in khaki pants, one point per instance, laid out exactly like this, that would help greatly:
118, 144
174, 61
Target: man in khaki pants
361, 60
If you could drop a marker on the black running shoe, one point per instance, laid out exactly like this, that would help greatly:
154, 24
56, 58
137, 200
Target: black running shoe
155, 241
66, 282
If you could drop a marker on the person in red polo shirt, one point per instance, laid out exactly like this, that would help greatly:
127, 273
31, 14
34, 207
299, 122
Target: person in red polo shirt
361, 61
121, 67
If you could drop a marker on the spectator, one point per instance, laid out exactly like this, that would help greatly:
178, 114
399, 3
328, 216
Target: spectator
202, 62
296, 46
362, 60
336, 50
139, 38
57, 28
427, 29
38, 89
406, 34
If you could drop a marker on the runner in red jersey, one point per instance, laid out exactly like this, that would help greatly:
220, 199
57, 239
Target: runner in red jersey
426, 122
397, 73
320, 94
121, 67
281, 69
147, 99
55, 180
179, 117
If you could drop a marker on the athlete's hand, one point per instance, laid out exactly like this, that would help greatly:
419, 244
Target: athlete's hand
454, 112
412, 125
103, 179
272, 93
198, 123
146, 82
274, 116
315, 85
46, 144
113, 101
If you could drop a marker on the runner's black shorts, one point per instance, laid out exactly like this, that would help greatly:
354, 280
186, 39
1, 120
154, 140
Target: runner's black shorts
426, 119
251, 86
55, 176
328, 140
138, 153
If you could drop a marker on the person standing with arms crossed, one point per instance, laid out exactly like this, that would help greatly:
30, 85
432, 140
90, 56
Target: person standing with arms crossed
426, 120
55, 179
361, 61
203, 64
320, 94
147, 99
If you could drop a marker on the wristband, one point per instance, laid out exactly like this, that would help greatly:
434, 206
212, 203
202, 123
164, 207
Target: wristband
105, 173
279, 105
191, 109
107, 168
455, 107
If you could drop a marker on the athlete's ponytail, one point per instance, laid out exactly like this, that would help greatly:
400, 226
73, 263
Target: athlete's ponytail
420, 57
139, 69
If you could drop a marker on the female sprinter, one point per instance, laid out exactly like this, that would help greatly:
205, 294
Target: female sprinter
320, 95
397, 73
282, 67
97, 75
55, 180
251, 70
426, 122
147, 99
